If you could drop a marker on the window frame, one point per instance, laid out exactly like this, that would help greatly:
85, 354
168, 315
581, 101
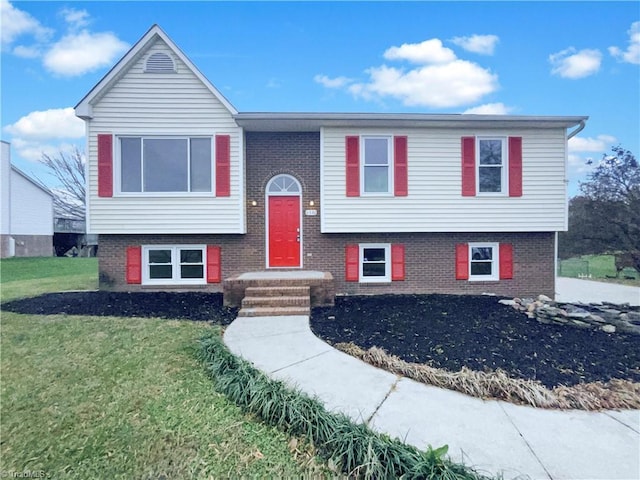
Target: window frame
390, 165
175, 265
504, 179
495, 262
387, 263
118, 166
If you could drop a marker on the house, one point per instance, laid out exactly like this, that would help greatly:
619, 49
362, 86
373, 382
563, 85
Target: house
185, 191
26, 215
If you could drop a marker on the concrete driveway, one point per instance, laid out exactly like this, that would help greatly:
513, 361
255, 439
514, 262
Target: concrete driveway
577, 290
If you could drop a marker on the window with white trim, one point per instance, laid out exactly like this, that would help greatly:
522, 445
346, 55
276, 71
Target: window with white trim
376, 164
492, 165
375, 262
165, 164
483, 261
184, 264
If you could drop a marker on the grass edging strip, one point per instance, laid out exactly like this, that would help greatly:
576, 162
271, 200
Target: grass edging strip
614, 394
355, 448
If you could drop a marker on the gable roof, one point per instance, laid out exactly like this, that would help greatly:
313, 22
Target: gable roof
84, 108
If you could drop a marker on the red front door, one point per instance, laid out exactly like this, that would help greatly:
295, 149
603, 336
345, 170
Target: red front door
284, 231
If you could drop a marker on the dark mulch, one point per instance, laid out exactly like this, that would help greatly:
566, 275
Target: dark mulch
452, 331
182, 305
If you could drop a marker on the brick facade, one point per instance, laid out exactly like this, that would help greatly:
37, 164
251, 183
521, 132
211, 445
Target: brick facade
429, 257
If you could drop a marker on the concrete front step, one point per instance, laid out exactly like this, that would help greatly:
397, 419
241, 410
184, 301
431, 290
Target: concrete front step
277, 291
276, 301
273, 311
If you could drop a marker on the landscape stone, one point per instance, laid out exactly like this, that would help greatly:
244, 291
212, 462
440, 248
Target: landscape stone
607, 317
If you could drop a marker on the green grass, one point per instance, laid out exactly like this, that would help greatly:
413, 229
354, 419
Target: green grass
599, 267
28, 277
87, 397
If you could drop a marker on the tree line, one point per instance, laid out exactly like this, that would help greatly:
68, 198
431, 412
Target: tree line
605, 216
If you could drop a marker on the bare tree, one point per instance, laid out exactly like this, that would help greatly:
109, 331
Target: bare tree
70, 195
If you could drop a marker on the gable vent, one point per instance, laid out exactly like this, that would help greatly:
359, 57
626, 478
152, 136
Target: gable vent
159, 63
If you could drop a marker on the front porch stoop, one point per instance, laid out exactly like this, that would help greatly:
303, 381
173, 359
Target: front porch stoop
276, 300
278, 292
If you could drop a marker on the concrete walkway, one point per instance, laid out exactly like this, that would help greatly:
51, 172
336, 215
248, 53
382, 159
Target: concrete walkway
577, 290
492, 436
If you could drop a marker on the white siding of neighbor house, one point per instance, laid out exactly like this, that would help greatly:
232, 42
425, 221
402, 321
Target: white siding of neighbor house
5, 190
31, 208
171, 104
435, 202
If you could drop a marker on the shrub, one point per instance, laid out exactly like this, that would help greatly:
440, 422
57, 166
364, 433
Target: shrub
354, 448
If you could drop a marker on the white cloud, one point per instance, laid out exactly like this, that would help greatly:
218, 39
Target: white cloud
17, 23
429, 51
599, 144
440, 80
441, 86
82, 52
632, 53
337, 82
33, 51
570, 63
490, 109
75, 18
482, 44
47, 124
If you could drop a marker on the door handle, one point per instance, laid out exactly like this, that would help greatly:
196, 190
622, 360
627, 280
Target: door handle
298, 239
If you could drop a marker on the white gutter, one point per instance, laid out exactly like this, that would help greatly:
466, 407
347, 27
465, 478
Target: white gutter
577, 130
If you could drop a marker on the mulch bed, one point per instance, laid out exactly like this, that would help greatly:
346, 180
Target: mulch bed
179, 305
443, 331
452, 331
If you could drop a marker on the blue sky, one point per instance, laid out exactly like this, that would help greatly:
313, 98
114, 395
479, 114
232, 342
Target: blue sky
521, 58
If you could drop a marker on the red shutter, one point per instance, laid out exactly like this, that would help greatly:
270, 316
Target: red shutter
134, 265
468, 166
397, 262
214, 265
515, 166
352, 263
401, 170
352, 148
223, 165
462, 261
105, 165
506, 261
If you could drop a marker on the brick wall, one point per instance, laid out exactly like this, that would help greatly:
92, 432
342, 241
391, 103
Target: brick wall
429, 257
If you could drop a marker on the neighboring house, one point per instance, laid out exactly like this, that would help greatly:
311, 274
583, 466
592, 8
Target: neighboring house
184, 191
26, 212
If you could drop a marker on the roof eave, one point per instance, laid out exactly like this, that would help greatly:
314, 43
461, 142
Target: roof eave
315, 121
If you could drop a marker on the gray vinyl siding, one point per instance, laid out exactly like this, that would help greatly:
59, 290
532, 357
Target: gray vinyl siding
435, 202
166, 104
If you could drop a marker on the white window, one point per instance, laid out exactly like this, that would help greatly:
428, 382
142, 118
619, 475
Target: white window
375, 262
483, 261
156, 164
164, 265
491, 164
376, 162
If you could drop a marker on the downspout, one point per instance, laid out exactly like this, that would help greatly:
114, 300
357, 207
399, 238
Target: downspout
577, 130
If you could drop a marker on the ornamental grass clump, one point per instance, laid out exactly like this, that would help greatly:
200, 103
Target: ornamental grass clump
352, 448
614, 394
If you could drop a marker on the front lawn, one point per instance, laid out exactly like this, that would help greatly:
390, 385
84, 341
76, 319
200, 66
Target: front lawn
114, 397
28, 277
109, 397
